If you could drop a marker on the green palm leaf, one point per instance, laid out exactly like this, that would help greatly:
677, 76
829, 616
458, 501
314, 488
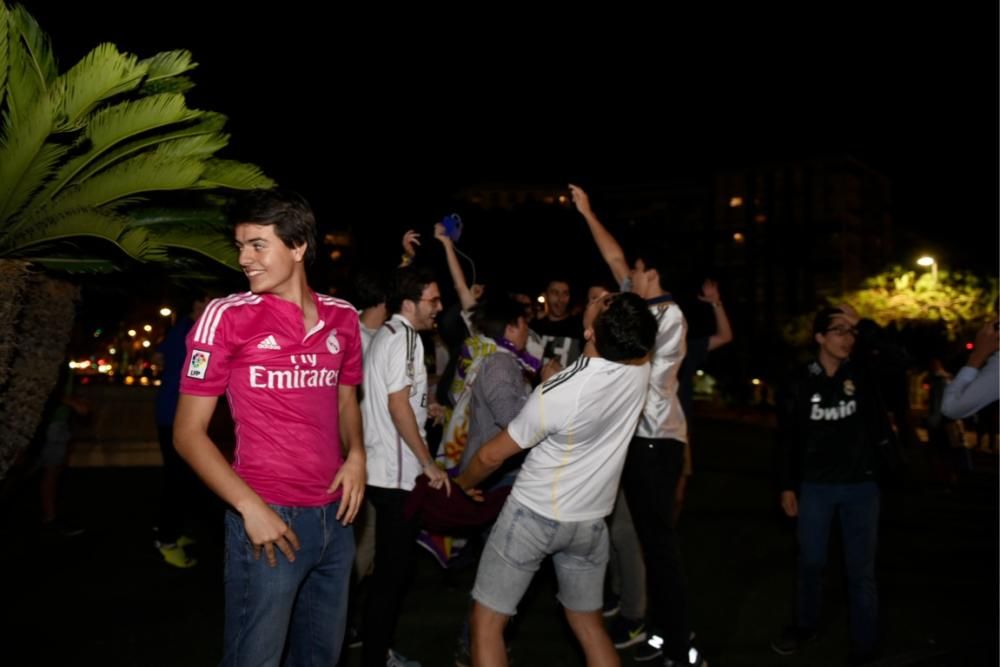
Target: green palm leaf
112, 126
235, 175
4, 48
215, 245
26, 159
32, 65
167, 65
181, 217
101, 74
74, 264
141, 174
83, 223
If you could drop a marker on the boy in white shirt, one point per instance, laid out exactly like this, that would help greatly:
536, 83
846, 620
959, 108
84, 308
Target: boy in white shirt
579, 424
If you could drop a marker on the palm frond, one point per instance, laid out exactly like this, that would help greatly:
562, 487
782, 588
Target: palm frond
232, 174
177, 84
214, 245
204, 145
79, 224
141, 174
74, 264
26, 159
32, 65
101, 74
4, 48
110, 127
167, 65
213, 218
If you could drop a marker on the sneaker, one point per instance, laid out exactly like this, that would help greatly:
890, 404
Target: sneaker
462, 656
627, 632
651, 649
61, 528
398, 660
791, 640
186, 541
612, 605
175, 555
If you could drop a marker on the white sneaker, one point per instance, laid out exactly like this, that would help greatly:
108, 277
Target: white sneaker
397, 660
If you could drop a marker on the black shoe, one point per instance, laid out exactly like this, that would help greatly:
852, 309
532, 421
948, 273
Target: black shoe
61, 529
627, 632
791, 640
352, 637
612, 605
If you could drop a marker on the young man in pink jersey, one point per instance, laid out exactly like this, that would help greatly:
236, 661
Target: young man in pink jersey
289, 361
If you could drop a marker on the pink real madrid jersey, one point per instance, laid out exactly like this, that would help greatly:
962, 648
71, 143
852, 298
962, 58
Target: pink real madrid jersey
281, 383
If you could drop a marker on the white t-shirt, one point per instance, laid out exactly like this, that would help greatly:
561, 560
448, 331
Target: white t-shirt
394, 360
662, 416
579, 422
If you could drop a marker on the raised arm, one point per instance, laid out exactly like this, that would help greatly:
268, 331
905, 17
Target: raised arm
411, 240
465, 295
723, 331
609, 248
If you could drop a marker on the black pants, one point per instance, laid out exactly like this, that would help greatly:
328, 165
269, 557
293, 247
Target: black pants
652, 469
394, 553
180, 489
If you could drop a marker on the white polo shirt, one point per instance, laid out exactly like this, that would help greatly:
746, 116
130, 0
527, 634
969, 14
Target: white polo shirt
579, 423
394, 360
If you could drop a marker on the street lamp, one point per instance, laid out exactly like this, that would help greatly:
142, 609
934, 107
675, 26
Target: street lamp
927, 260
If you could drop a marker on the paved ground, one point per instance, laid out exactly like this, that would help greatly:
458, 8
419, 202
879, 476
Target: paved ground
106, 598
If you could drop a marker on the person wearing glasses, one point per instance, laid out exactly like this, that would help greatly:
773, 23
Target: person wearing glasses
394, 412
832, 424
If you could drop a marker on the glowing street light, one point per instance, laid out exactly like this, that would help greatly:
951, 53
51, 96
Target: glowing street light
147, 327
927, 260
166, 312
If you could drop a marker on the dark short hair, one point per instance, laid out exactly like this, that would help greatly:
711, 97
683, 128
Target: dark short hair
292, 217
408, 283
626, 329
492, 316
370, 289
655, 257
823, 319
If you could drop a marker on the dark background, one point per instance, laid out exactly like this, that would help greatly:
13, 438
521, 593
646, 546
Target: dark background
378, 116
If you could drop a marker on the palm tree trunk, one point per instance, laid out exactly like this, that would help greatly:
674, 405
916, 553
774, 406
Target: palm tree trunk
13, 279
41, 335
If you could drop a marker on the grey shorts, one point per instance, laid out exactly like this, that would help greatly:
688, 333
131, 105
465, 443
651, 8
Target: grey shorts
520, 541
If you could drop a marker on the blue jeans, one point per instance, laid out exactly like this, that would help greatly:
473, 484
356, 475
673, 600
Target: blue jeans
302, 603
858, 506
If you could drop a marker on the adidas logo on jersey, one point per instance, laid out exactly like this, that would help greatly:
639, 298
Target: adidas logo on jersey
268, 344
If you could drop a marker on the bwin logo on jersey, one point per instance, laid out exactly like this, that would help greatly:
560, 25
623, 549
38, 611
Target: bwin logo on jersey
845, 409
332, 342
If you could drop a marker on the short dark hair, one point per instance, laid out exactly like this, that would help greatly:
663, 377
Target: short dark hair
626, 329
655, 257
823, 319
408, 283
370, 289
292, 217
492, 316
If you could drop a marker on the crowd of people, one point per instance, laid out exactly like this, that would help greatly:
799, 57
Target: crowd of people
564, 435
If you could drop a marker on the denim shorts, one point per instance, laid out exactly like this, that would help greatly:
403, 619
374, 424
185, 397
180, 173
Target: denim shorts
520, 541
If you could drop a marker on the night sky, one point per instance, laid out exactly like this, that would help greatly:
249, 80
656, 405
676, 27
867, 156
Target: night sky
377, 121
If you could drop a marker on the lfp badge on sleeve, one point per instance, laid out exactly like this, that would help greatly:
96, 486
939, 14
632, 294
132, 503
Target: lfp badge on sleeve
199, 364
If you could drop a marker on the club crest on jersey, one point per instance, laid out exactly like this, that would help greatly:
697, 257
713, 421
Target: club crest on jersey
849, 387
198, 365
332, 342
